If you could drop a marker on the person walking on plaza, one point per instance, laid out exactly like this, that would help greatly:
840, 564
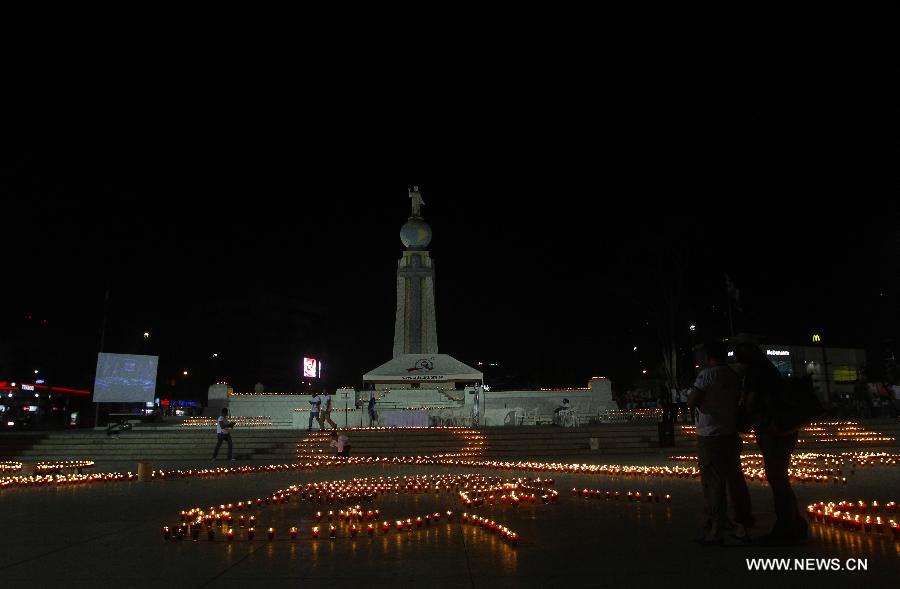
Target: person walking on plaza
763, 386
373, 415
716, 394
314, 404
325, 411
223, 432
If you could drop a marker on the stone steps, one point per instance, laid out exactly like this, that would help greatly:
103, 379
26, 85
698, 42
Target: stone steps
281, 445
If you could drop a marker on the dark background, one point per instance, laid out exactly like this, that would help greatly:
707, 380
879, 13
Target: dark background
177, 158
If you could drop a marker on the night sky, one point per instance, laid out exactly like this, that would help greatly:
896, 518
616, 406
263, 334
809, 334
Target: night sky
172, 160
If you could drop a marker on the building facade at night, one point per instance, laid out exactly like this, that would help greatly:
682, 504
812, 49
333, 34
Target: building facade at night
834, 371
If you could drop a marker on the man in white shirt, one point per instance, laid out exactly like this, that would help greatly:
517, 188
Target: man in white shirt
314, 403
223, 432
715, 394
325, 411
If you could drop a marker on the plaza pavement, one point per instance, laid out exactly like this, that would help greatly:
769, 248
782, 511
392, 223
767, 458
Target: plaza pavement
108, 535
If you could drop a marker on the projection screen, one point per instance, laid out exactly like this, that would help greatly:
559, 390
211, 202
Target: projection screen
125, 378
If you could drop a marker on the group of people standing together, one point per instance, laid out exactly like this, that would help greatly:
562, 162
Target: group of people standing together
320, 410
730, 401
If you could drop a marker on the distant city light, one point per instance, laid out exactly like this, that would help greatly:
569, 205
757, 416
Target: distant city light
816, 338
39, 381
36, 371
693, 327
215, 355
634, 348
185, 372
644, 371
146, 335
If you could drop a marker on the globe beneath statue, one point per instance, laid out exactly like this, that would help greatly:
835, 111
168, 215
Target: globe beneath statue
415, 234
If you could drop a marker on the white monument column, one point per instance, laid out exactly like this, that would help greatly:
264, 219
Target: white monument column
415, 329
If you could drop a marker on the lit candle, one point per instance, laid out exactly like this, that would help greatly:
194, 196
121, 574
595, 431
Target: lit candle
230, 535
271, 534
370, 529
315, 532
251, 532
293, 533
210, 534
167, 533
332, 531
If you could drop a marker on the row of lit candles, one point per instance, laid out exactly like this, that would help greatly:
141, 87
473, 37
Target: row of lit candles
854, 516
812, 459
805, 465
241, 421
824, 432
440, 459
649, 496
366, 489
59, 480
358, 488
193, 520
194, 530
474, 443
13, 466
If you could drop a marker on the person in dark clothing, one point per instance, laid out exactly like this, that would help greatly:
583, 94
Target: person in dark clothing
373, 415
762, 387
